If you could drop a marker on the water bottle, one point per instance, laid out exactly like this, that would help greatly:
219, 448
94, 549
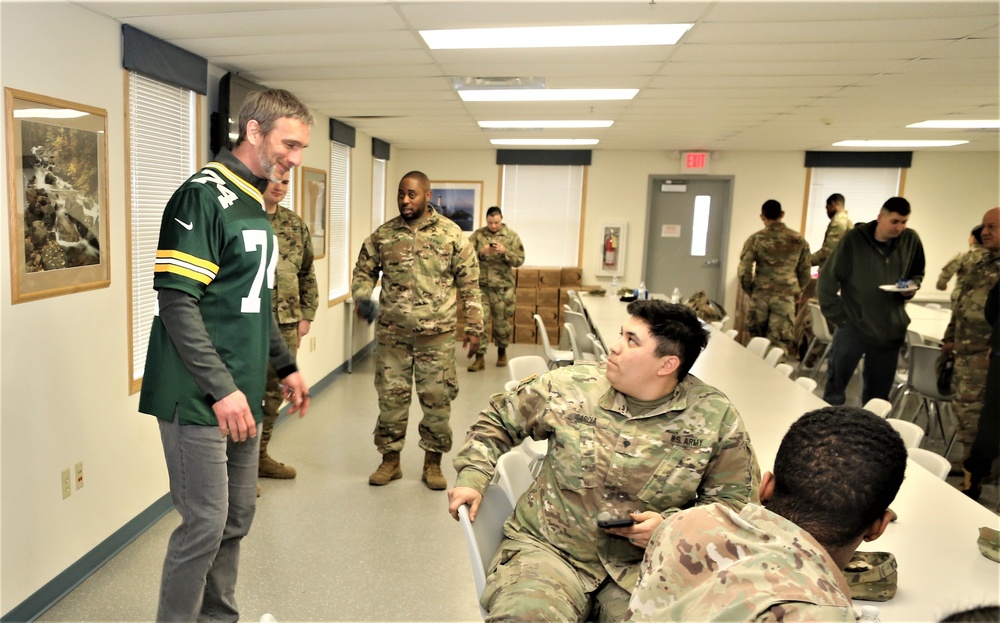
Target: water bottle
869, 614
676, 296
613, 291
641, 293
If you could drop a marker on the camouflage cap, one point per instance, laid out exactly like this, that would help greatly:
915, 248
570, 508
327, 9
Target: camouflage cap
872, 576
989, 543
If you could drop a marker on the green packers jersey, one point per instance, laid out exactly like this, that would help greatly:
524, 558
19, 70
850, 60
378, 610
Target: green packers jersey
216, 244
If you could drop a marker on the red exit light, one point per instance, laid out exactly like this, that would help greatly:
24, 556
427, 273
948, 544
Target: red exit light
695, 160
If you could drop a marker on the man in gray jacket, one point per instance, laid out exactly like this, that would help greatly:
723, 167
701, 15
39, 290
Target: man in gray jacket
857, 293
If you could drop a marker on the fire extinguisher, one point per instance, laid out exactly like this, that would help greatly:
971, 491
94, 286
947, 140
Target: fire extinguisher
610, 254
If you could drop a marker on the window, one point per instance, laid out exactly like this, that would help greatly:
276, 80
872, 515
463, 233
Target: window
544, 205
340, 222
378, 192
864, 191
161, 128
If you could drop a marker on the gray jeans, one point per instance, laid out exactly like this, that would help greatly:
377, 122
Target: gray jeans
213, 484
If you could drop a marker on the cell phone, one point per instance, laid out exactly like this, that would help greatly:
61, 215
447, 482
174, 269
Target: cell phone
493, 244
621, 522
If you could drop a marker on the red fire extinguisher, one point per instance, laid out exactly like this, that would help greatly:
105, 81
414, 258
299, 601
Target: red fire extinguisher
610, 254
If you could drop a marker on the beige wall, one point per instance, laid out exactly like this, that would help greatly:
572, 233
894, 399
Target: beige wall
948, 192
63, 365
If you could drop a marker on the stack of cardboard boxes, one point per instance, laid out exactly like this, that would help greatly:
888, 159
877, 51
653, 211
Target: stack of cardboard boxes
542, 291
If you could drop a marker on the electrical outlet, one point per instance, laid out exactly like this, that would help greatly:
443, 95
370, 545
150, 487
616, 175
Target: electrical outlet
79, 475
312, 344
66, 489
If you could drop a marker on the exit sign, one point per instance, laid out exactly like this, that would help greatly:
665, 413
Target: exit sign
694, 161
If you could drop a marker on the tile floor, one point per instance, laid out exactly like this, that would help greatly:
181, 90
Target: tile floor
327, 546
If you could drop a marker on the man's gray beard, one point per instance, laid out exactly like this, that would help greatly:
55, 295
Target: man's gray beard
268, 167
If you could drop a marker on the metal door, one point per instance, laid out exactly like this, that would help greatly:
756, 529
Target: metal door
686, 232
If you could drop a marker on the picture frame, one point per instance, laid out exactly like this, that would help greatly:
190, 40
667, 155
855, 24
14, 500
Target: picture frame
313, 207
57, 196
461, 202
611, 262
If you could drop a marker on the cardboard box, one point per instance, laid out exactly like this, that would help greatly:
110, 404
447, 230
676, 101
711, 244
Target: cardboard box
527, 277
525, 297
549, 277
524, 316
571, 277
547, 297
525, 334
550, 316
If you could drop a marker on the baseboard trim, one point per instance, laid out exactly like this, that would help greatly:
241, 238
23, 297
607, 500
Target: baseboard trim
61, 585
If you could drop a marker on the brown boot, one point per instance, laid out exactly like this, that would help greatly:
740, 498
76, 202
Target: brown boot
478, 364
973, 485
432, 471
388, 471
269, 468
501, 357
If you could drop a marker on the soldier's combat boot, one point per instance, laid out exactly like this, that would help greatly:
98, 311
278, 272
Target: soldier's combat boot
478, 364
973, 485
269, 468
432, 471
501, 357
388, 471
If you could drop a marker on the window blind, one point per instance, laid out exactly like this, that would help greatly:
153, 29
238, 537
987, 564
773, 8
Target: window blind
161, 135
340, 221
544, 205
378, 193
864, 190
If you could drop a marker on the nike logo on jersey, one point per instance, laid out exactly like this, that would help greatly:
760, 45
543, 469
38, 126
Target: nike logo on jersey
187, 226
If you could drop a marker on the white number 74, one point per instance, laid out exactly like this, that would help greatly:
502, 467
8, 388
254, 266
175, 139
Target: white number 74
254, 239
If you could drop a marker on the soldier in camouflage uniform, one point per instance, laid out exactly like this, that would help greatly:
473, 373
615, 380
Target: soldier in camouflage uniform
835, 230
955, 266
774, 267
781, 560
423, 259
294, 302
500, 252
635, 437
968, 333
840, 223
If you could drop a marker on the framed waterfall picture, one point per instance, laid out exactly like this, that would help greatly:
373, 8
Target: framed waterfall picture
57, 196
314, 202
459, 201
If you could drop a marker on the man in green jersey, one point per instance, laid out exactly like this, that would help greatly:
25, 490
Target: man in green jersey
212, 337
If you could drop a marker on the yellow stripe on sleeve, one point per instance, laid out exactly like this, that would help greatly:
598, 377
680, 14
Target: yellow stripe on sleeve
183, 272
187, 258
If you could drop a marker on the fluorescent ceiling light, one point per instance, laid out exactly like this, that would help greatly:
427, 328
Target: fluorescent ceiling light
545, 95
48, 113
958, 124
899, 143
554, 36
542, 124
547, 142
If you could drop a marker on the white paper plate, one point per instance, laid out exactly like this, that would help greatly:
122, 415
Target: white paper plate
895, 288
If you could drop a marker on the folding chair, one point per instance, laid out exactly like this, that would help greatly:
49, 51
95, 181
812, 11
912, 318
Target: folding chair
483, 536
931, 461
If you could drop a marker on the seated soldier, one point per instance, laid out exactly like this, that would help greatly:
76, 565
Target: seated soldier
637, 438
836, 472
